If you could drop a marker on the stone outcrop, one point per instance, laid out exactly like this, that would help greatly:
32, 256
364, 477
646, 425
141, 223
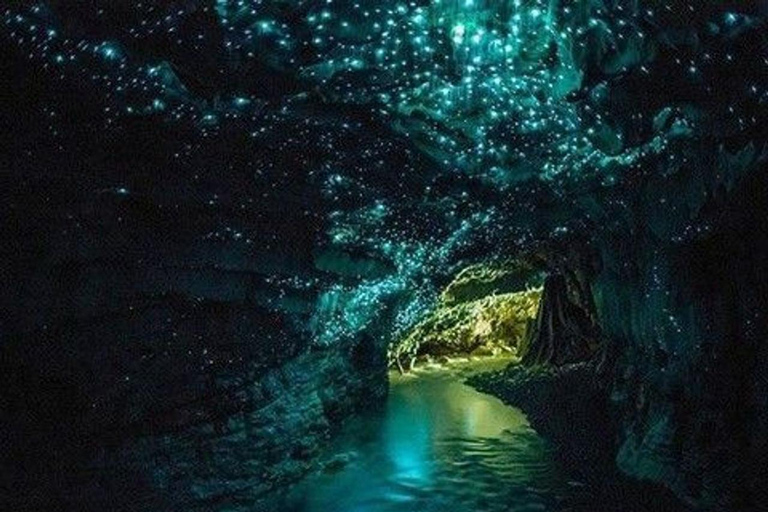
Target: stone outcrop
561, 332
152, 356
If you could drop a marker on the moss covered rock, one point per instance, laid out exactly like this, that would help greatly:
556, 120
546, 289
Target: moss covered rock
488, 326
477, 281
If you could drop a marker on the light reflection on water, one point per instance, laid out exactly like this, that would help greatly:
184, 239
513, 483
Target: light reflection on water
438, 445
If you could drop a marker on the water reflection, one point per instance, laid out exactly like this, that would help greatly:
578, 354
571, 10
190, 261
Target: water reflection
437, 445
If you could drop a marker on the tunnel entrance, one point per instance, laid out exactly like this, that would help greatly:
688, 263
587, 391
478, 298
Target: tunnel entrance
510, 310
485, 311
449, 437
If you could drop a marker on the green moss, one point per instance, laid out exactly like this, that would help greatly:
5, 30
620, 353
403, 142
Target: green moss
485, 310
478, 281
492, 324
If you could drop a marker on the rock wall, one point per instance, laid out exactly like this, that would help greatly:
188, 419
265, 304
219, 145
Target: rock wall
683, 306
676, 273
155, 352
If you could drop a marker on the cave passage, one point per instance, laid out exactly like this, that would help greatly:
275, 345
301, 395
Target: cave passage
484, 311
437, 444
440, 444
255, 250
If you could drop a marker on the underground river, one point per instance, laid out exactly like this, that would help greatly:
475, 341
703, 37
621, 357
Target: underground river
439, 445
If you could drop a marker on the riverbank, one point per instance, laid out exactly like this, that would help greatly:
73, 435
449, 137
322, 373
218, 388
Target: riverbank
442, 441
569, 408
435, 445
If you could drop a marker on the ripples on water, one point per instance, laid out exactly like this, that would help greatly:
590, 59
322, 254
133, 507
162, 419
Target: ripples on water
439, 445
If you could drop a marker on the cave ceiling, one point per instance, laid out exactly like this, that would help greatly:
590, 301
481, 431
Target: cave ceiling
419, 136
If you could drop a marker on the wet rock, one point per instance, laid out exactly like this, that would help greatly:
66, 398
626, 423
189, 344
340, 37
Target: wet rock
562, 331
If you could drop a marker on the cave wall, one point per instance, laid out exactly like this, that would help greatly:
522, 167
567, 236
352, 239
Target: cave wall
682, 304
675, 279
149, 361
155, 334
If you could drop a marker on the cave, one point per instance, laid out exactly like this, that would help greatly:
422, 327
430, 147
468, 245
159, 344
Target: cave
310, 255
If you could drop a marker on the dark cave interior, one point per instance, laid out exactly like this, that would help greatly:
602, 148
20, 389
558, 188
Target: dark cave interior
227, 225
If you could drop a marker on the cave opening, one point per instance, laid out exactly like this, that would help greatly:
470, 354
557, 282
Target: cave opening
501, 333
484, 311
524, 310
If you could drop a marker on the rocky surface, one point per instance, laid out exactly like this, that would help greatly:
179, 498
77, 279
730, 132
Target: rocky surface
201, 197
689, 327
149, 364
485, 326
562, 331
567, 405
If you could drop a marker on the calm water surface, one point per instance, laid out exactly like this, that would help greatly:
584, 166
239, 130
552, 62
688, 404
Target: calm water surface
438, 445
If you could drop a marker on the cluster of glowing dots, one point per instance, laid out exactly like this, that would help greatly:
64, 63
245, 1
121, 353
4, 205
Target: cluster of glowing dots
455, 65
477, 84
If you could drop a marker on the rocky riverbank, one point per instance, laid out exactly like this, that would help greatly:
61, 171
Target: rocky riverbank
568, 407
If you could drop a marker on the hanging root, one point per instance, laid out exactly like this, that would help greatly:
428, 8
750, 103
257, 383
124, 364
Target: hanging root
399, 365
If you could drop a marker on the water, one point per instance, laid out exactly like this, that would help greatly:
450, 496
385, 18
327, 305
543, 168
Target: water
438, 445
